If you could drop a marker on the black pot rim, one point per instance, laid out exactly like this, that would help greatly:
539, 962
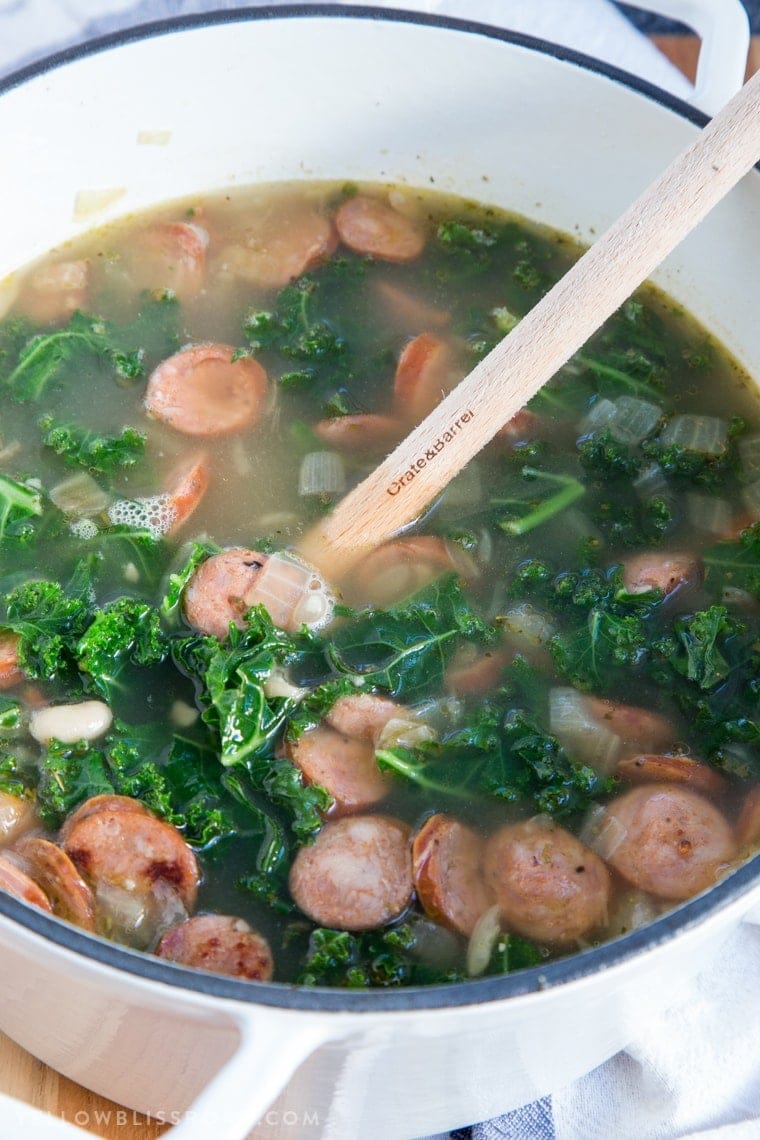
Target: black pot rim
317, 999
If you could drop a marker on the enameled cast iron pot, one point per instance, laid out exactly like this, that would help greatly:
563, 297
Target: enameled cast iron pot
339, 93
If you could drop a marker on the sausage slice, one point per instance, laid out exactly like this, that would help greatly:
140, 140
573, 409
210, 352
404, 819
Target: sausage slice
364, 715
343, 765
361, 433
671, 770
55, 873
17, 815
655, 571
95, 804
53, 293
220, 944
401, 567
372, 227
427, 369
188, 487
133, 851
11, 673
14, 881
202, 391
637, 727
357, 875
448, 873
171, 255
748, 823
280, 246
549, 886
672, 842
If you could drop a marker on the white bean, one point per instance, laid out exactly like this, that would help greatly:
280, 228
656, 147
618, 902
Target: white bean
70, 723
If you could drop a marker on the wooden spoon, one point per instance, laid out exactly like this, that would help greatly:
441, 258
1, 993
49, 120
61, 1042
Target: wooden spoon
402, 486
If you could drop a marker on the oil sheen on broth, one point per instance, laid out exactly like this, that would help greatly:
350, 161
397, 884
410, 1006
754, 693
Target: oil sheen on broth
525, 726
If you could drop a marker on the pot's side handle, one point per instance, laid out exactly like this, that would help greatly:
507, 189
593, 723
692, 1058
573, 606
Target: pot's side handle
723, 28
272, 1045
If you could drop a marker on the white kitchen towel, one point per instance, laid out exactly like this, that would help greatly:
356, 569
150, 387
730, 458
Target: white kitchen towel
694, 1071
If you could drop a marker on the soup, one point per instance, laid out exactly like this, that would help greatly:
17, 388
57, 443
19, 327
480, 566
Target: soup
526, 725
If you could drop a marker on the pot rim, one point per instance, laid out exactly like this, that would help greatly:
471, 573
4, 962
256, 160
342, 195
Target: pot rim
574, 968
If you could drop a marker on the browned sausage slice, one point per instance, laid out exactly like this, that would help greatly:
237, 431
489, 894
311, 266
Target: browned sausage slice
410, 313
403, 566
202, 391
10, 672
188, 487
16, 882
133, 850
220, 944
524, 425
364, 715
656, 571
357, 875
171, 255
93, 805
671, 770
448, 874
748, 823
364, 433
672, 842
343, 765
55, 873
636, 727
426, 371
54, 293
280, 246
549, 886
473, 671
372, 227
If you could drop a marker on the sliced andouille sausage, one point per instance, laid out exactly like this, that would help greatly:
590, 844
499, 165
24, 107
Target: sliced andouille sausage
372, 227
170, 255
549, 886
401, 567
14, 881
411, 314
366, 433
523, 426
132, 850
671, 842
474, 671
221, 944
364, 715
227, 585
448, 874
655, 570
55, 873
748, 823
356, 875
427, 369
343, 765
11, 674
202, 391
637, 727
105, 802
17, 815
280, 246
649, 768
54, 293
188, 486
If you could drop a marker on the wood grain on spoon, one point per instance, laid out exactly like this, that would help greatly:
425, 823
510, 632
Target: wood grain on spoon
398, 491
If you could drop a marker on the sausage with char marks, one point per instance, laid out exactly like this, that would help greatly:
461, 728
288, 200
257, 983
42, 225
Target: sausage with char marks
448, 874
220, 944
343, 765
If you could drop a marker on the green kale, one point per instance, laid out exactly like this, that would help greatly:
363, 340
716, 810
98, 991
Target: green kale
734, 564
99, 454
512, 953
171, 602
123, 632
405, 649
292, 329
50, 620
603, 457
130, 555
375, 958
538, 498
19, 503
706, 637
458, 235
607, 641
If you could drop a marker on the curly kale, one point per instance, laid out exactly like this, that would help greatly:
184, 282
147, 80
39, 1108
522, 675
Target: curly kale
100, 454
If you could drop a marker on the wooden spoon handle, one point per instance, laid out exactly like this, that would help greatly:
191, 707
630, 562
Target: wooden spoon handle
421, 466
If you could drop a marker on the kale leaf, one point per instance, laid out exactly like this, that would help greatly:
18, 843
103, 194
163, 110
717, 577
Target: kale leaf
19, 503
99, 454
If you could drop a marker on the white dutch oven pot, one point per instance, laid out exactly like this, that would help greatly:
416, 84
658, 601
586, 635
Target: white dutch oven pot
351, 93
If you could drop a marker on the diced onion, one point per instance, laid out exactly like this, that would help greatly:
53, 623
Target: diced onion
709, 513
598, 417
582, 737
631, 911
278, 684
482, 941
602, 832
527, 628
651, 481
704, 435
404, 732
182, 714
137, 918
79, 496
751, 496
749, 451
504, 319
322, 473
634, 419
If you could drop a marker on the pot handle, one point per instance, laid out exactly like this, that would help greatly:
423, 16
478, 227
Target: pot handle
723, 28
271, 1046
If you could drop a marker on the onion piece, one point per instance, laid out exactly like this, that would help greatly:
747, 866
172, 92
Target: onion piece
79, 496
749, 452
582, 737
322, 473
708, 513
482, 941
527, 628
630, 911
704, 435
404, 732
751, 496
599, 416
602, 832
634, 419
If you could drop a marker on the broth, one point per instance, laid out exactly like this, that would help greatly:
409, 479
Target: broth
528, 724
